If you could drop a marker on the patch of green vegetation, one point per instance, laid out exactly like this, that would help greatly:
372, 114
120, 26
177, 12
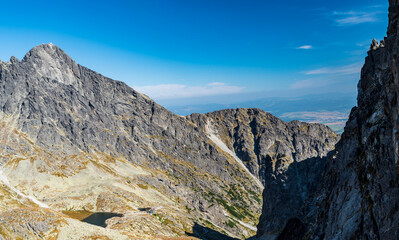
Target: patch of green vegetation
207, 223
234, 193
231, 223
255, 196
246, 212
237, 209
231, 209
211, 193
209, 196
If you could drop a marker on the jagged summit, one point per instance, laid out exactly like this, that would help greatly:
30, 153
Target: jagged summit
48, 60
45, 49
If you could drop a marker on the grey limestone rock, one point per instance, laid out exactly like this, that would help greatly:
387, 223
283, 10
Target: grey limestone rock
374, 45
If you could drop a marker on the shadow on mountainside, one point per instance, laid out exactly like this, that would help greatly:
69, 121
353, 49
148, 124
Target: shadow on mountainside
293, 230
205, 233
285, 196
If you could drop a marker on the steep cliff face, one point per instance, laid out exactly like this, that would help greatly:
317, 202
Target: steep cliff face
358, 195
80, 143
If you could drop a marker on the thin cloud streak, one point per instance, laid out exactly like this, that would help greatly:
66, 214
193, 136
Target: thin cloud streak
328, 76
305, 47
342, 70
325, 82
355, 17
177, 91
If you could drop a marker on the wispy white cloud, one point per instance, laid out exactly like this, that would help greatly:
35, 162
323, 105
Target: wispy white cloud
328, 77
216, 84
176, 91
355, 17
326, 82
341, 70
305, 47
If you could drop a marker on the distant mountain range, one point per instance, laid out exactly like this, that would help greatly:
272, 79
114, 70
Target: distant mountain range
331, 109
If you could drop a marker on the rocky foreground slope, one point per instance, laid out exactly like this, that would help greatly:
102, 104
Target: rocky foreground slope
358, 194
74, 143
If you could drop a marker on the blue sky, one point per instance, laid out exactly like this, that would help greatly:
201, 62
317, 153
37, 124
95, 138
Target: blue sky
208, 50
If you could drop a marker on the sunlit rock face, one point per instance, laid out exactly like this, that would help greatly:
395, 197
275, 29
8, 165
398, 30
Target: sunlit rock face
358, 194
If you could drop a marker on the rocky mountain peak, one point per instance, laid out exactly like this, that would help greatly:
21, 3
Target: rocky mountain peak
52, 62
44, 51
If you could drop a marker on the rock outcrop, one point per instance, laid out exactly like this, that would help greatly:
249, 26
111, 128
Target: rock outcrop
263, 142
81, 143
358, 194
